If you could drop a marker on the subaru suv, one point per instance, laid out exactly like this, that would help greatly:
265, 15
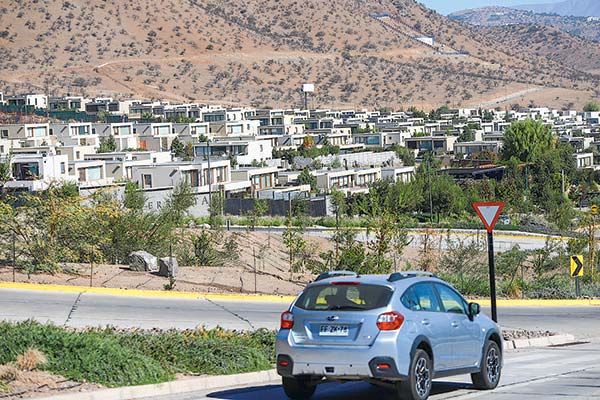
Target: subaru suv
399, 331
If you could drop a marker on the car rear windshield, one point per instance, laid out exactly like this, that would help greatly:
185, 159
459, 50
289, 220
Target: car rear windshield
344, 297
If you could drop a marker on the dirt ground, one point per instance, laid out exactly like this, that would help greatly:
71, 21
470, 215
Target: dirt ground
30, 384
264, 250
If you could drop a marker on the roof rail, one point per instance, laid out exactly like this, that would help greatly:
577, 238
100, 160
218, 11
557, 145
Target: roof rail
331, 274
396, 276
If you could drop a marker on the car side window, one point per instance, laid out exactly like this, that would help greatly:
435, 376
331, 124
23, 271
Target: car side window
451, 300
426, 297
410, 301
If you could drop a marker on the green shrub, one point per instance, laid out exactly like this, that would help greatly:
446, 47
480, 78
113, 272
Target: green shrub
88, 356
119, 358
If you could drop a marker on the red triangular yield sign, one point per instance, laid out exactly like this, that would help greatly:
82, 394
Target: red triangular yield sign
489, 213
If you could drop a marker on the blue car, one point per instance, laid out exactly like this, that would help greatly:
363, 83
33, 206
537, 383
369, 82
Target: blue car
400, 330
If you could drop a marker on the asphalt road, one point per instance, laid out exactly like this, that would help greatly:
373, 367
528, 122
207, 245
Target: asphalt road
571, 372
87, 309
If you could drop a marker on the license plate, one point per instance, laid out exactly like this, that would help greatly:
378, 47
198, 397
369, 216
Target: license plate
333, 330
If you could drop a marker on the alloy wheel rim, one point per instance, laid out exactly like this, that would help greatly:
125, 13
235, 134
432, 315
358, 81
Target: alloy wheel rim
493, 365
422, 377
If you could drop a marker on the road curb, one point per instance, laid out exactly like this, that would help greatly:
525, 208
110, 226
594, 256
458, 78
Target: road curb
545, 341
171, 388
256, 297
146, 293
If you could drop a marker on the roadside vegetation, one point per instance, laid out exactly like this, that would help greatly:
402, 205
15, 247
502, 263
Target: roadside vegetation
541, 187
113, 357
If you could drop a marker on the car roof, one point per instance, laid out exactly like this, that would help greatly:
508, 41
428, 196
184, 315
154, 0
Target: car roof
394, 281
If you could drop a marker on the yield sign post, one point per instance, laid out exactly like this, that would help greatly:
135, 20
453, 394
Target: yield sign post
489, 214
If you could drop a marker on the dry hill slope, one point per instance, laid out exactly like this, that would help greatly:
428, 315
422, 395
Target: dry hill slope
500, 16
260, 51
550, 43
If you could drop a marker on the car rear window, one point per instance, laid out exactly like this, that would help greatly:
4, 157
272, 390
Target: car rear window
344, 297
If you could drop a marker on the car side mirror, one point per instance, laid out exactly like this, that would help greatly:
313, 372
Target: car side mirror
474, 309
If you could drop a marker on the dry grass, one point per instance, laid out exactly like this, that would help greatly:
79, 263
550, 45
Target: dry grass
9, 373
31, 360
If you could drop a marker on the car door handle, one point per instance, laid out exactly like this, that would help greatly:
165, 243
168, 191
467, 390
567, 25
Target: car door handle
454, 324
425, 322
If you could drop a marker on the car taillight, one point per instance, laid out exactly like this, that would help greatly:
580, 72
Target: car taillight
390, 321
287, 320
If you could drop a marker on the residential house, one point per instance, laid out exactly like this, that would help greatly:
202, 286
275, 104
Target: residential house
36, 172
67, 103
28, 134
469, 148
245, 152
75, 134
260, 178
89, 173
398, 174
122, 132
35, 100
584, 160
437, 144
155, 136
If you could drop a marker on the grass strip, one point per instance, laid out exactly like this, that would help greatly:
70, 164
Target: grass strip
119, 357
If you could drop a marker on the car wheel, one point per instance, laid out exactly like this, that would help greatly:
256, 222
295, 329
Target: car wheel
491, 367
298, 388
418, 385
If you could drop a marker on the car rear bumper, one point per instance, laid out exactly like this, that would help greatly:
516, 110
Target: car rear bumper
381, 360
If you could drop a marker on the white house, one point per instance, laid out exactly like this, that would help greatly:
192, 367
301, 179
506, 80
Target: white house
246, 152
36, 172
398, 174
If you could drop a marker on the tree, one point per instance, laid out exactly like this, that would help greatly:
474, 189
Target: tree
107, 145
260, 208
407, 156
5, 174
467, 135
189, 151
527, 141
178, 148
591, 106
306, 178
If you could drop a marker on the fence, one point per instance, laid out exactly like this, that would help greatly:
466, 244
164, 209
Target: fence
315, 207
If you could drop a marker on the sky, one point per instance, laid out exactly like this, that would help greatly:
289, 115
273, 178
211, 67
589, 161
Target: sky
448, 6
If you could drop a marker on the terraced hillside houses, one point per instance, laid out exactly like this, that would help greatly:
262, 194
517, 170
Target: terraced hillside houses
245, 152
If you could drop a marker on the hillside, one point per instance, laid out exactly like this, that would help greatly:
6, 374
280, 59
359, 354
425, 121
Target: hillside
546, 41
500, 16
260, 52
579, 8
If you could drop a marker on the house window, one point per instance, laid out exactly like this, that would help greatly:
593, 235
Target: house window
62, 168
4, 133
147, 180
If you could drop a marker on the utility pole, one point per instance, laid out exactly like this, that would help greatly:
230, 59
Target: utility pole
209, 178
14, 256
430, 195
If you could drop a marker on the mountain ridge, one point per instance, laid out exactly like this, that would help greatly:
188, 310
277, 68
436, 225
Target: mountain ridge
577, 8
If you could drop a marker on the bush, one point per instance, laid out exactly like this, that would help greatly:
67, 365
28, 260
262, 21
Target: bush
118, 358
81, 356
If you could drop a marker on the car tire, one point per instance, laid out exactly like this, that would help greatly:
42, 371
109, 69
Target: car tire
491, 367
418, 385
298, 388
